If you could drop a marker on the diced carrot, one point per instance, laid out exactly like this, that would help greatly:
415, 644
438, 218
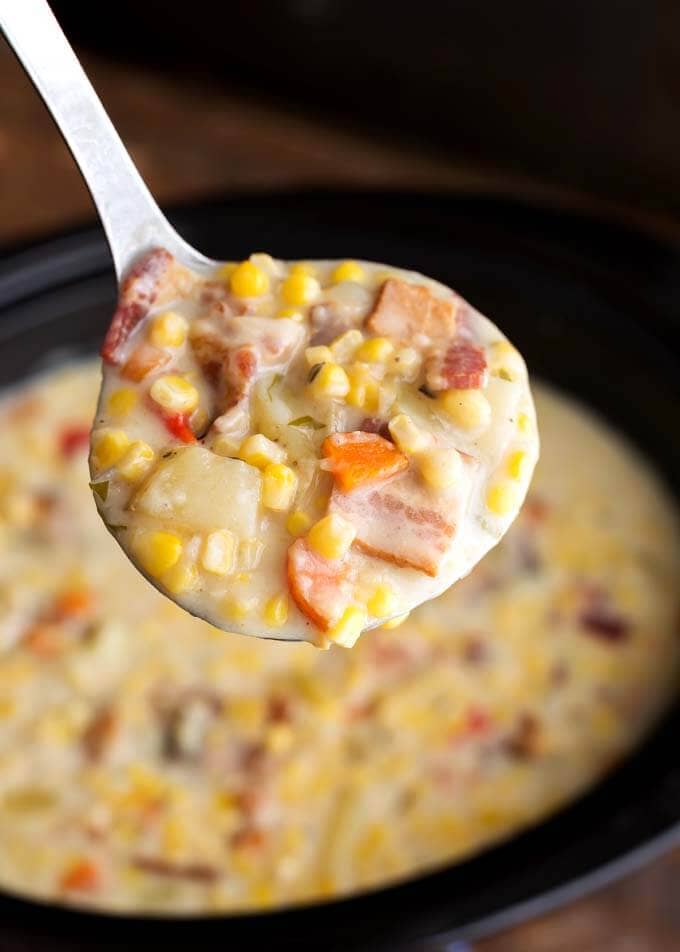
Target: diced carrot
73, 603
144, 360
178, 425
321, 588
73, 438
359, 458
45, 640
84, 875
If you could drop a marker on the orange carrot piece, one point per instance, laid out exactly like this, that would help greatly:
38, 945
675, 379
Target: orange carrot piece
45, 640
74, 603
83, 875
359, 458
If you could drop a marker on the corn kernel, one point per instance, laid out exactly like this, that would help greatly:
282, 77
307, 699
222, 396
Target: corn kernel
347, 630
524, 423
291, 314
276, 611
108, 446
469, 409
304, 267
364, 389
409, 438
298, 523
318, 355
395, 622
174, 393
225, 445
157, 551
239, 608
279, 485
259, 451
344, 346
121, 402
441, 467
405, 363
279, 738
330, 382
174, 836
137, 461
247, 280
299, 289
502, 498
180, 578
516, 465
382, 602
169, 330
376, 350
332, 536
348, 271
218, 554
505, 361
225, 272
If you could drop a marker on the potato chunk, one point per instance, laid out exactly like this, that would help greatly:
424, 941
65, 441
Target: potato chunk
202, 491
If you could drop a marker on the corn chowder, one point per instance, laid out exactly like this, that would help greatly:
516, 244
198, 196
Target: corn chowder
149, 763
306, 450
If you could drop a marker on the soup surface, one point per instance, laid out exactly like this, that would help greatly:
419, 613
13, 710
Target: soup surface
151, 762
342, 440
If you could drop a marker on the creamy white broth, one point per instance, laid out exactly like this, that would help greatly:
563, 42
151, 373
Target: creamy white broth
151, 762
213, 490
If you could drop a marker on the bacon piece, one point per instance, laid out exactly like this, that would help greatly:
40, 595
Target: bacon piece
144, 360
197, 872
404, 312
99, 733
73, 439
356, 459
321, 588
399, 522
328, 322
155, 278
462, 366
376, 425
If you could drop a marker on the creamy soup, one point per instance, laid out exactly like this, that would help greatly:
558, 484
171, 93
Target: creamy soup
149, 761
306, 449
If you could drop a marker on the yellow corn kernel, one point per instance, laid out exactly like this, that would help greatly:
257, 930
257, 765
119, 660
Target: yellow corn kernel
259, 451
516, 465
174, 393
218, 554
344, 346
137, 461
108, 446
318, 355
506, 361
332, 536
346, 631
122, 401
348, 271
157, 551
441, 467
524, 423
409, 438
279, 485
225, 445
238, 608
304, 267
364, 389
502, 498
279, 738
382, 602
169, 329
405, 363
395, 622
330, 382
247, 280
292, 314
276, 611
376, 350
225, 272
468, 409
180, 578
298, 523
174, 836
299, 289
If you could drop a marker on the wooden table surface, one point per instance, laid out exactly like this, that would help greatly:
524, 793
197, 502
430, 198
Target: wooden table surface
191, 140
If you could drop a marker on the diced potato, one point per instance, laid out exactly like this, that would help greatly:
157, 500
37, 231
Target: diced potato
202, 491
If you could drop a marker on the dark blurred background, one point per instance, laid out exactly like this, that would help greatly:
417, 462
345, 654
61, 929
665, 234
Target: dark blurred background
573, 105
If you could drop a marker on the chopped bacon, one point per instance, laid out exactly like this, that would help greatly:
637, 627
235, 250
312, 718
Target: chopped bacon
404, 312
376, 425
462, 366
99, 733
144, 360
197, 872
328, 322
73, 439
156, 277
46, 637
357, 459
321, 588
524, 742
399, 522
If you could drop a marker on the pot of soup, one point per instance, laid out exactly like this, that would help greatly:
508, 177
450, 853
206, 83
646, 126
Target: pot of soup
507, 746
